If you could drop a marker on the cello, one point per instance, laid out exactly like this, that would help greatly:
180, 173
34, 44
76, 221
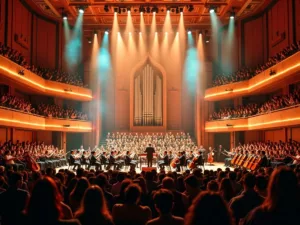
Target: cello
32, 164
210, 157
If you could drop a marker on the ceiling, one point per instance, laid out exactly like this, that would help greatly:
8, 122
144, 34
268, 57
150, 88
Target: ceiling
95, 17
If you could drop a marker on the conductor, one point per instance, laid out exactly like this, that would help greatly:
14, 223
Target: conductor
149, 150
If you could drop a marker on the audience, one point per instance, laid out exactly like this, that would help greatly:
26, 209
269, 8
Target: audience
130, 213
164, 202
248, 73
93, 209
48, 110
275, 103
48, 74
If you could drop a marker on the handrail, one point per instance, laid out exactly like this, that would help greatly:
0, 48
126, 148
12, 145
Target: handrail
258, 114
43, 85
283, 69
46, 117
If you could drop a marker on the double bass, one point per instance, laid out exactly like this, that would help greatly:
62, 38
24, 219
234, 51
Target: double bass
210, 157
32, 164
192, 164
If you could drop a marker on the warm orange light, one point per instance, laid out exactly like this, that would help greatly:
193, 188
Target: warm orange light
42, 86
41, 125
256, 84
253, 125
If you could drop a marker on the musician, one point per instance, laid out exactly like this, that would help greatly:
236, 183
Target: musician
112, 160
130, 161
181, 162
190, 157
85, 159
264, 160
94, 161
9, 159
74, 160
150, 151
200, 159
164, 161
219, 153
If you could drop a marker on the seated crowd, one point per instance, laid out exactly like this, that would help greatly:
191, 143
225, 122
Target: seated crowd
263, 197
271, 154
275, 103
47, 110
161, 141
21, 155
248, 73
48, 74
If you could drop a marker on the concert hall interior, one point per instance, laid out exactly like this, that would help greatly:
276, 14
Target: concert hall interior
186, 94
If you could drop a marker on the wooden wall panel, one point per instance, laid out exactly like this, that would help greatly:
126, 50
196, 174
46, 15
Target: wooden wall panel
122, 110
20, 26
44, 52
173, 110
2, 20
251, 136
297, 19
254, 42
23, 135
3, 137
45, 136
275, 135
278, 18
296, 133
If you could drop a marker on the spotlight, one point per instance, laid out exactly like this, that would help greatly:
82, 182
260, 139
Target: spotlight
181, 10
200, 33
154, 9
140, 33
155, 32
64, 16
232, 15
189, 31
106, 8
89, 40
81, 9
148, 9
142, 9
166, 33
207, 40
95, 32
211, 9
191, 8
128, 9
116, 10
106, 31
168, 9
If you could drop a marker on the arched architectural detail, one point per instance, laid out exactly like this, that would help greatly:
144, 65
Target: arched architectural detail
148, 60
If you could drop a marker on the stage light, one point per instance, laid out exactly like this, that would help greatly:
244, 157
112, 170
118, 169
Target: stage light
148, 9
191, 8
200, 32
166, 33
140, 33
142, 9
168, 9
232, 15
116, 10
129, 32
207, 40
64, 16
95, 32
154, 9
181, 10
211, 9
106, 8
89, 40
81, 9
128, 9
106, 31
189, 31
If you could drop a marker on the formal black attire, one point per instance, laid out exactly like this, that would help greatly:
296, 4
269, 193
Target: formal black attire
74, 162
95, 162
163, 162
181, 162
149, 150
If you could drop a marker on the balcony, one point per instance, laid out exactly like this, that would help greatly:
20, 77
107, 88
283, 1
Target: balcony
13, 118
10, 71
280, 118
284, 72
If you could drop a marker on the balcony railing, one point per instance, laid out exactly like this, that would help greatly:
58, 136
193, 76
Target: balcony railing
10, 70
283, 70
279, 118
15, 118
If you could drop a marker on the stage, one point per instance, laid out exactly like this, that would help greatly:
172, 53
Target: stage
213, 166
